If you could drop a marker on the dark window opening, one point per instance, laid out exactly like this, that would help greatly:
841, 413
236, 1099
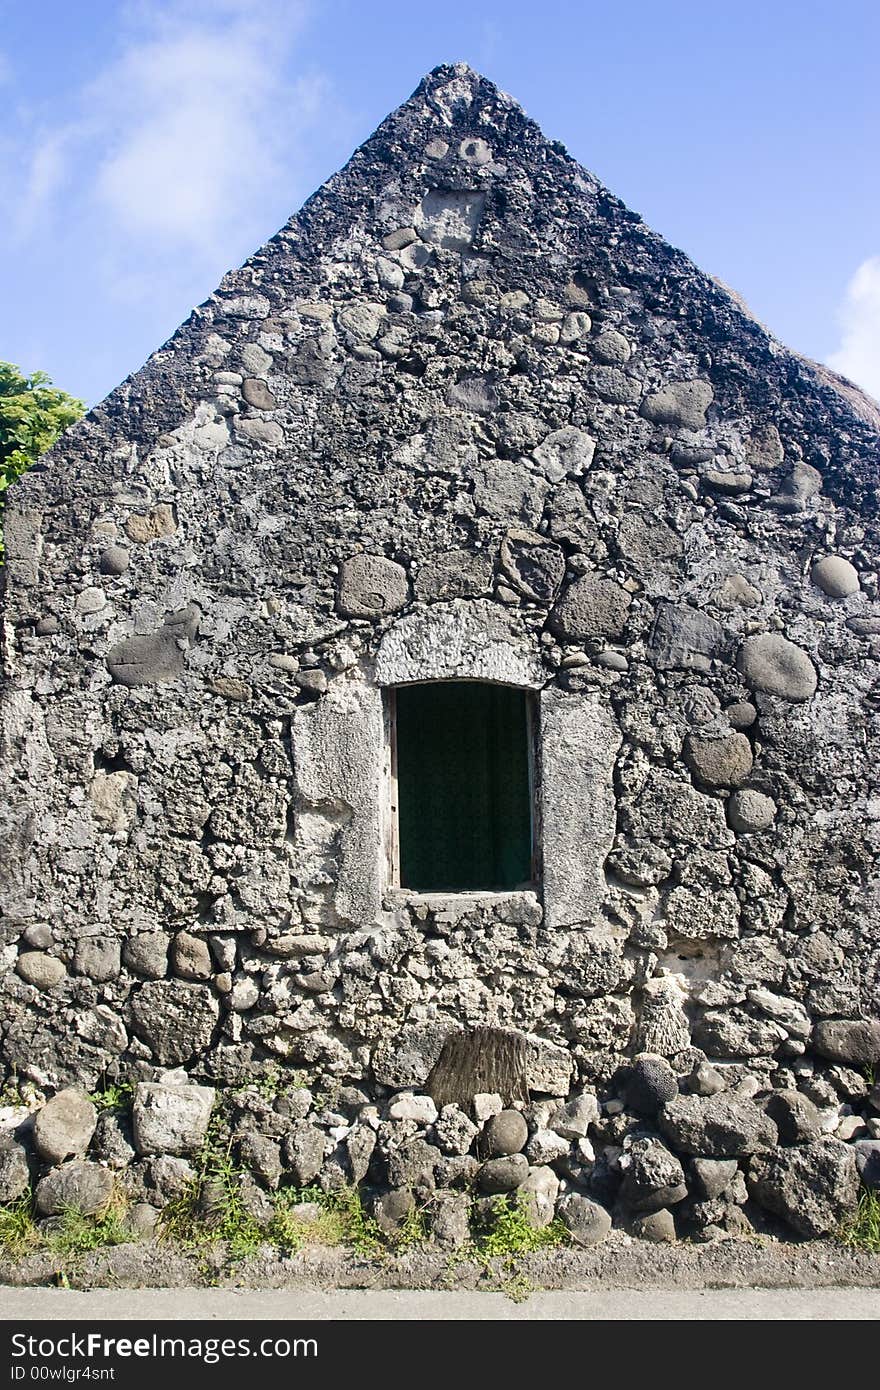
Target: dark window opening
461, 755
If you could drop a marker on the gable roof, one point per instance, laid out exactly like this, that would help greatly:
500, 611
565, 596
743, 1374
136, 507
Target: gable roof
462, 160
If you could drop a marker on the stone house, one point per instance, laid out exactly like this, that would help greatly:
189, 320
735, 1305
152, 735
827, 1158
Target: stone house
468, 620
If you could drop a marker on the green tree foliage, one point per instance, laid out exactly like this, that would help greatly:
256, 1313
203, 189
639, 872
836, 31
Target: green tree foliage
33, 413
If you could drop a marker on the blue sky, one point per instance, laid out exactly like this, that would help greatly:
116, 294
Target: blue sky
147, 147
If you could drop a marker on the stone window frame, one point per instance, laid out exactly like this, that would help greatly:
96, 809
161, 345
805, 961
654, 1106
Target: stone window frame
338, 745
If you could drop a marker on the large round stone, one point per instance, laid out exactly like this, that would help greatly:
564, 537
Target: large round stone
114, 560
506, 1133
749, 811
370, 585
719, 762
590, 607
39, 969
773, 664
586, 1221
82, 1186
835, 576
504, 1174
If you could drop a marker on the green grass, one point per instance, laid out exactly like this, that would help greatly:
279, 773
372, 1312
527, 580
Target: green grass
862, 1232
71, 1234
510, 1233
18, 1231
503, 1241
76, 1234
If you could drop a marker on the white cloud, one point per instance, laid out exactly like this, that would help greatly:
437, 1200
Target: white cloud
180, 138
858, 356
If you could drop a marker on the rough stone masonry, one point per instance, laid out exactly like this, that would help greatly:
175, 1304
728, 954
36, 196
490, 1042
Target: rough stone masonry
465, 417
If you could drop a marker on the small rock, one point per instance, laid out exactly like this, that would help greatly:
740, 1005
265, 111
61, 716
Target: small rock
406, 1106
454, 1132
795, 1116
853, 1040
98, 957
658, 1226
706, 1080
586, 1221
114, 560
64, 1127
390, 1209
590, 607
546, 1146
573, 1119
370, 586
713, 1177
174, 1018
85, 1187
719, 762
142, 529
540, 1189
486, 1104
652, 1176
505, 1133
867, 1153
191, 957
304, 1152
533, 564
413, 1164
741, 714
140, 1220
681, 404
257, 394
14, 1171
171, 1177
40, 970
112, 1141
749, 811
450, 1225
835, 576
147, 954
263, 1157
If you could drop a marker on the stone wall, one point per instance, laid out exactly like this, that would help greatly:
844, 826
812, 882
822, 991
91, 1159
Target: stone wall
464, 416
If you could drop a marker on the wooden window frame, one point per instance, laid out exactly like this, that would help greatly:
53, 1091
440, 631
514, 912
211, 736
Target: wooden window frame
391, 827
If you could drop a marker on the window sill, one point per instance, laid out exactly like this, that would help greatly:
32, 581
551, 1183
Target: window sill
516, 900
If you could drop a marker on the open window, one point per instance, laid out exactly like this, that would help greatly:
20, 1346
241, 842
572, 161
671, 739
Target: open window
462, 787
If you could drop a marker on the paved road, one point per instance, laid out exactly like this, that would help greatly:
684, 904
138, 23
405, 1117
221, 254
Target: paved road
389, 1305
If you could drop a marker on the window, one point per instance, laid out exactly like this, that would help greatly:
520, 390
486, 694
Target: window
461, 766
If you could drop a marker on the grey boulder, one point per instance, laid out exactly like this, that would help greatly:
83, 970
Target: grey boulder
586, 1222
170, 1119
718, 1126
79, 1186
64, 1127
813, 1187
